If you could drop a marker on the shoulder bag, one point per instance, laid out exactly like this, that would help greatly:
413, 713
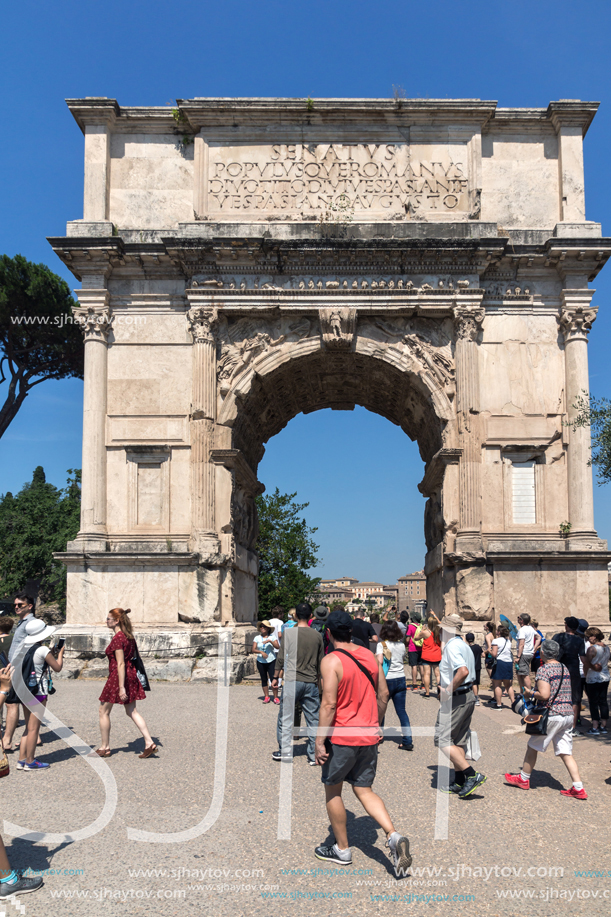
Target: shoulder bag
137, 663
361, 667
536, 722
386, 658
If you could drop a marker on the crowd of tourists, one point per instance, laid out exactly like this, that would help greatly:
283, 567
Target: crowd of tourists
347, 669
340, 673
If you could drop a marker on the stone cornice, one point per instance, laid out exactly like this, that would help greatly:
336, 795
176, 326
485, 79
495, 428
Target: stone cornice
208, 113
300, 249
94, 111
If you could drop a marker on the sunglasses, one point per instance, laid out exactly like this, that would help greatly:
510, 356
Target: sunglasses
21, 605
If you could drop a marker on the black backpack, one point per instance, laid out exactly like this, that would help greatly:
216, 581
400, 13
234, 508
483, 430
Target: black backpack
28, 671
319, 626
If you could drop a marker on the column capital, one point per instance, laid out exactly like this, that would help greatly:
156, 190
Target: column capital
201, 322
576, 314
468, 321
94, 314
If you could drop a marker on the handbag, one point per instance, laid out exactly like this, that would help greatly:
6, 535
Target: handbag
138, 664
536, 721
4, 766
472, 751
386, 660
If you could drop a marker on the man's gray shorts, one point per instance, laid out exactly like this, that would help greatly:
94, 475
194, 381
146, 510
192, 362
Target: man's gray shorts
453, 724
355, 764
524, 664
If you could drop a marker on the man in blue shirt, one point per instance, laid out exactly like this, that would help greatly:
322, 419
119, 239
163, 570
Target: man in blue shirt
457, 673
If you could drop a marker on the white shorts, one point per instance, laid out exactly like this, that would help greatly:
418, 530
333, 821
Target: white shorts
560, 732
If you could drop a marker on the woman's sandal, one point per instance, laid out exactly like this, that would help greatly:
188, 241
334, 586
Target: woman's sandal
148, 751
102, 754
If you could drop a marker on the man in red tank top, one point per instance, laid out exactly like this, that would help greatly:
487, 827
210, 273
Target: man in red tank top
353, 704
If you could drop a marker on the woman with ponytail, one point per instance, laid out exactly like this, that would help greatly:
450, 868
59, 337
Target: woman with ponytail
122, 686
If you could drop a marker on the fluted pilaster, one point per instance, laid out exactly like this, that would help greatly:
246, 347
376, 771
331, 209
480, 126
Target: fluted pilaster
576, 318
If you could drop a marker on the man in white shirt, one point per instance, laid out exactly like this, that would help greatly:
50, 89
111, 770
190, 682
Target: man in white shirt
528, 641
457, 673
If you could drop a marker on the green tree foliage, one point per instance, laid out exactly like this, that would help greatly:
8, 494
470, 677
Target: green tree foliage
39, 339
41, 519
596, 414
286, 552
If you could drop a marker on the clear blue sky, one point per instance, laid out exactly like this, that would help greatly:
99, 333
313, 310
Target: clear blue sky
358, 471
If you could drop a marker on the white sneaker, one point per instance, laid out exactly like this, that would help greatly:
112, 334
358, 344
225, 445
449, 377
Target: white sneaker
399, 848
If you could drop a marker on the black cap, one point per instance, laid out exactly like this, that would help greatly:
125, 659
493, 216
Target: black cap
339, 620
572, 623
470, 637
583, 625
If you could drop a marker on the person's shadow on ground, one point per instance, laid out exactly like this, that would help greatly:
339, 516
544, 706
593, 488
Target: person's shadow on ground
31, 857
362, 833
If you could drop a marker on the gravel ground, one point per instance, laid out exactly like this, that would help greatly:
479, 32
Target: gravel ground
239, 867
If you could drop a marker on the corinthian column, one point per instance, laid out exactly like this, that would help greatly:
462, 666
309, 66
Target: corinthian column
95, 319
467, 322
576, 319
201, 322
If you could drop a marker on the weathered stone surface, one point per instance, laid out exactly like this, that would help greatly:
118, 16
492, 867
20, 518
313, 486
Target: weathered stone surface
429, 261
95, 668
169, 669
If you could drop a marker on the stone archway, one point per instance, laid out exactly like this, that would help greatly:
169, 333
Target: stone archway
399, 367
395, 348
428, 260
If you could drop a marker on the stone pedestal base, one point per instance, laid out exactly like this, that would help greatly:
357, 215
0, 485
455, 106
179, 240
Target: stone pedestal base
161, 589
548, 577
182, 653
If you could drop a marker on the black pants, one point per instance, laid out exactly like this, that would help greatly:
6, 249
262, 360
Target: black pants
597, 697
265, 669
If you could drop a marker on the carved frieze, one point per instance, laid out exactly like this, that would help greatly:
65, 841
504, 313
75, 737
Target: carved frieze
337, 327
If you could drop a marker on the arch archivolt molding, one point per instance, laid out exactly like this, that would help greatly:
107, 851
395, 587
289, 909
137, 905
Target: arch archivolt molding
253, 346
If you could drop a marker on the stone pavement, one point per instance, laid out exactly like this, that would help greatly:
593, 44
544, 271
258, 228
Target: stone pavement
239, 867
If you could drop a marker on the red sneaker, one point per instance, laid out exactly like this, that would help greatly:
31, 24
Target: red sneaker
576, 794
267, 700
516, 780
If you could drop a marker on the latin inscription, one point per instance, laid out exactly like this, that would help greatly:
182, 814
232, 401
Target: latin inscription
310, 179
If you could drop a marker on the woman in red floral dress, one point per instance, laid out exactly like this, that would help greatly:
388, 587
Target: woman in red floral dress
122, 686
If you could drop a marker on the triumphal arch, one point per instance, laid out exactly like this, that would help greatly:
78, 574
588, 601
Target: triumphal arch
243, 260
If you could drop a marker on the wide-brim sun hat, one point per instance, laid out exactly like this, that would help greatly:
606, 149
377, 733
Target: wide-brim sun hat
266, 624
321, 612
452, 621
36, 631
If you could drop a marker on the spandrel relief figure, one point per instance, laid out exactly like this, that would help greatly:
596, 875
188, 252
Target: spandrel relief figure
242, 342
429, 357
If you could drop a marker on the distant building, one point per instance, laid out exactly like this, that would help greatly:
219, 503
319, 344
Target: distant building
412, 592
408, 593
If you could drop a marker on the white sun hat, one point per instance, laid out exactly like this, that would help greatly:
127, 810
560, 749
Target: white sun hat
36, 631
